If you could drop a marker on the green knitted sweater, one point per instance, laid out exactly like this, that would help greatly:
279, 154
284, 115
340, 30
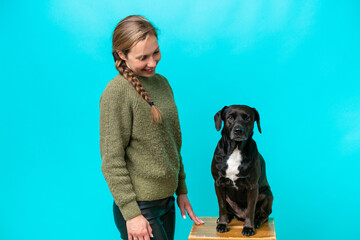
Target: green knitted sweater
140, 159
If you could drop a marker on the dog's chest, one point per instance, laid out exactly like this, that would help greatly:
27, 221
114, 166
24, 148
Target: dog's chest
233, 163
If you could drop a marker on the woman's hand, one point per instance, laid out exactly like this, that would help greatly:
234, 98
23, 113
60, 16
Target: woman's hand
184, 204
138, 228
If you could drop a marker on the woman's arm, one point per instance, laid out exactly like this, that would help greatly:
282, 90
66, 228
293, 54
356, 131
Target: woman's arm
115, 134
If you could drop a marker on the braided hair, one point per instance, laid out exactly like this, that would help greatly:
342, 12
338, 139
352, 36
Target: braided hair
127, 33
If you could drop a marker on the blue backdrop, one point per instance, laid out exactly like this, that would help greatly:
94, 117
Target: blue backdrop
297, 62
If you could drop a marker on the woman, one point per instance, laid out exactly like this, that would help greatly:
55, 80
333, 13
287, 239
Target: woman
140, 138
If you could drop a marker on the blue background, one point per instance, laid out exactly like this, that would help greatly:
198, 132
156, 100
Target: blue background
297, 62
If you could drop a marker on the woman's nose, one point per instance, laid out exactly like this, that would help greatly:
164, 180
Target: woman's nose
152, 62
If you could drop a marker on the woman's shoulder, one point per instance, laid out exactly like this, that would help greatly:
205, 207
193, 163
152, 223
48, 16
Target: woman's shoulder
118, 83
118, 88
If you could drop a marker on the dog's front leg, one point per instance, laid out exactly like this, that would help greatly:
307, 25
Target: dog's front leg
252, 196
223, 215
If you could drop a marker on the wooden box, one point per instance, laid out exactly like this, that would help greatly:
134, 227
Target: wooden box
208, 231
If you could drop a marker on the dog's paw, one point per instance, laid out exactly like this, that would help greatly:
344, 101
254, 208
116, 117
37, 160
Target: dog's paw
221, 228
248, 231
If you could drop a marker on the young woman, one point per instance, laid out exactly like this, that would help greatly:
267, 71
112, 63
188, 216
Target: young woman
140, 138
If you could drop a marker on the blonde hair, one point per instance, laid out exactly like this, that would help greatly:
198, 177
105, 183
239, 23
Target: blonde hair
127, 33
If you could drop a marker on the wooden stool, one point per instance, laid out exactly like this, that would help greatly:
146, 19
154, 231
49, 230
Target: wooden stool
208, 231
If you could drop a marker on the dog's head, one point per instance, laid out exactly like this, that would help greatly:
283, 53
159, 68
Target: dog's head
238, 121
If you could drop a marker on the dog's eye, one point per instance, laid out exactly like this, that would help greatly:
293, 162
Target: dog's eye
248, 119
230, 118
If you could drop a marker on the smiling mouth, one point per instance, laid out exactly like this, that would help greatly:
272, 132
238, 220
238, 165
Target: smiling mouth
149, 70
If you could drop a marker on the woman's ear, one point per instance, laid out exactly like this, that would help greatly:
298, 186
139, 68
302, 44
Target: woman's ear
121, 55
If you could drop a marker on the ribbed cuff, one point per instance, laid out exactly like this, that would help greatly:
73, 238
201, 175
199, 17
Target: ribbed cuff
130, 210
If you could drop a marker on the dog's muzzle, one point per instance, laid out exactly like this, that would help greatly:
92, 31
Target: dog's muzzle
238, 133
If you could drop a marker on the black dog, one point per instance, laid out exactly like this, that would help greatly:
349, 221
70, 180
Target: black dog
238, 169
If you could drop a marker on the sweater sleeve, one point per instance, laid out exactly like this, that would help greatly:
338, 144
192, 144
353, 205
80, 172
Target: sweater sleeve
181, 189
115, 133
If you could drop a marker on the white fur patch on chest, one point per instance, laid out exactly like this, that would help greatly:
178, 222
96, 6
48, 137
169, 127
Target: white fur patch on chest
233, 163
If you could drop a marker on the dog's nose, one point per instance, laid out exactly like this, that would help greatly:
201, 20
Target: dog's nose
238, 130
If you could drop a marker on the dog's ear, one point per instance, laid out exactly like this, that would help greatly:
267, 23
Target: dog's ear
257, 119
218, 118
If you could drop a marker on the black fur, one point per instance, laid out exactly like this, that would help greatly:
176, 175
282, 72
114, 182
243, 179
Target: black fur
249, 198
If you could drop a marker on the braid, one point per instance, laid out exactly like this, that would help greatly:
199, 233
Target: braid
129, 75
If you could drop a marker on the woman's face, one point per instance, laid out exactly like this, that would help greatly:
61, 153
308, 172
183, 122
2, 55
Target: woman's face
143, 57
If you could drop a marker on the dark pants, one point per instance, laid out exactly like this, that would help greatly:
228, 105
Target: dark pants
159, 213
